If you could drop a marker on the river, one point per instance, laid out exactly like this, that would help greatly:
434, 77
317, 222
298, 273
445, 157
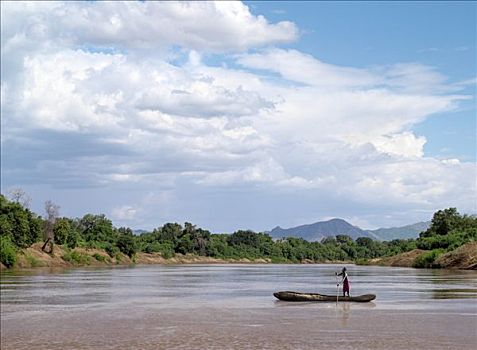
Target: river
232, 307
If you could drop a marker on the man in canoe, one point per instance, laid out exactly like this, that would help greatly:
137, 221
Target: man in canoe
344, 281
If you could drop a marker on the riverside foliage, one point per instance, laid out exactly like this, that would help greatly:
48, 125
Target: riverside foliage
19, 228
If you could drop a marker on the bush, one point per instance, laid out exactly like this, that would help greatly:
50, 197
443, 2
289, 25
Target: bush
363, 262
127, 244
23, 226
73, 239
151, 248
112, 250
8, 255
100, 257
34, 262
278, 259
167, 253
426, 260
166, 250
77, 258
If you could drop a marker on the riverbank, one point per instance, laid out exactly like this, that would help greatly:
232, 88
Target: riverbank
464, 257
34, 257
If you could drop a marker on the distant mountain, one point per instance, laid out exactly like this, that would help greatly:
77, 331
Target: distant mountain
404, 232
320, 230
333, 227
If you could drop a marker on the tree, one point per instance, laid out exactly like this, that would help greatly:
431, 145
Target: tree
443, 222
329, 241
97, 228
19, 223
170, 232
8, 255
343, 239
193, 240
61, 230
52, 212
240, 237
364, 242
126, 242
19, 196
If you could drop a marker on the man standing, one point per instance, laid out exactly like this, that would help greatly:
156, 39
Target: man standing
344, 281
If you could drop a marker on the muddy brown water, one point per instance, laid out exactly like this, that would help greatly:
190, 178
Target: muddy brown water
232, 307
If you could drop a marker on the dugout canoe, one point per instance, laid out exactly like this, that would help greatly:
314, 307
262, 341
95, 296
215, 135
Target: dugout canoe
297, 296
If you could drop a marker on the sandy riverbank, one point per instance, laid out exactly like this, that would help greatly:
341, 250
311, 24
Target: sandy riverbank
62, 258
464, 257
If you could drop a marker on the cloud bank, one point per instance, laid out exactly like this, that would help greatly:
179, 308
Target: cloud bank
117, 99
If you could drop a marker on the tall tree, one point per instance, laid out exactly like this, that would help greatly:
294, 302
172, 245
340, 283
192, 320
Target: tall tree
18, 195
52, 212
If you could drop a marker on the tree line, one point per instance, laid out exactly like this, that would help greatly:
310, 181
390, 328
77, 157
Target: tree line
20, 228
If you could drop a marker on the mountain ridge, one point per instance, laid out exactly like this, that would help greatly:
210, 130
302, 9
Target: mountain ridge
336, 226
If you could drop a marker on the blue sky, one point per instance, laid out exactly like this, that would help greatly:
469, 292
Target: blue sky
238, 115
358, 33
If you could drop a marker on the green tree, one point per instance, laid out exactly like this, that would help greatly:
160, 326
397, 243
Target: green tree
448, 231
443, 222
126, 242
7, 251
97, 228
19, 223
169, 233
240, 237
61, 230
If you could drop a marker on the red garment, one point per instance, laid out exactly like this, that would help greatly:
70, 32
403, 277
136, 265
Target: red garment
346, 285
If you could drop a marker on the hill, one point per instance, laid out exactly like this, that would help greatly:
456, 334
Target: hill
404, 232
320, 230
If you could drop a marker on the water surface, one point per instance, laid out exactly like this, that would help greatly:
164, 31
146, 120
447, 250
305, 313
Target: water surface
232, 307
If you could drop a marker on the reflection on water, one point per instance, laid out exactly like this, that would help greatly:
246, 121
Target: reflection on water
232, 306
454, 293
345, 313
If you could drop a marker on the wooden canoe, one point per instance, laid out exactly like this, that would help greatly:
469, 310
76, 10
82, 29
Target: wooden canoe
297, 296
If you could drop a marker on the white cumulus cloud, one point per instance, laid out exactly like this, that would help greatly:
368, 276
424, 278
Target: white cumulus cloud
119, 96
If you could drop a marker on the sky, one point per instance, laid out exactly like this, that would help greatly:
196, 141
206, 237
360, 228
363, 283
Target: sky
240, 115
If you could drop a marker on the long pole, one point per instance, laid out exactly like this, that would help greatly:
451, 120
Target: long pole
337, 288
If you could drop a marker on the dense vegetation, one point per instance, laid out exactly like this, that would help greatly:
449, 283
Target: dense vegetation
448, 231
19, 228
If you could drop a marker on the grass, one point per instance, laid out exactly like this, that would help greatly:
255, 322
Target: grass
363, 262
34, 262
77, 258
101, 258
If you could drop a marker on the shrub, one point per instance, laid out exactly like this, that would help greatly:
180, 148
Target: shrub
152, 248
34, 262
127, 244
72, 240
8, 255
278, 259
77, 258
100, 257
427, 259
363, 261
112, 250
166, 250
